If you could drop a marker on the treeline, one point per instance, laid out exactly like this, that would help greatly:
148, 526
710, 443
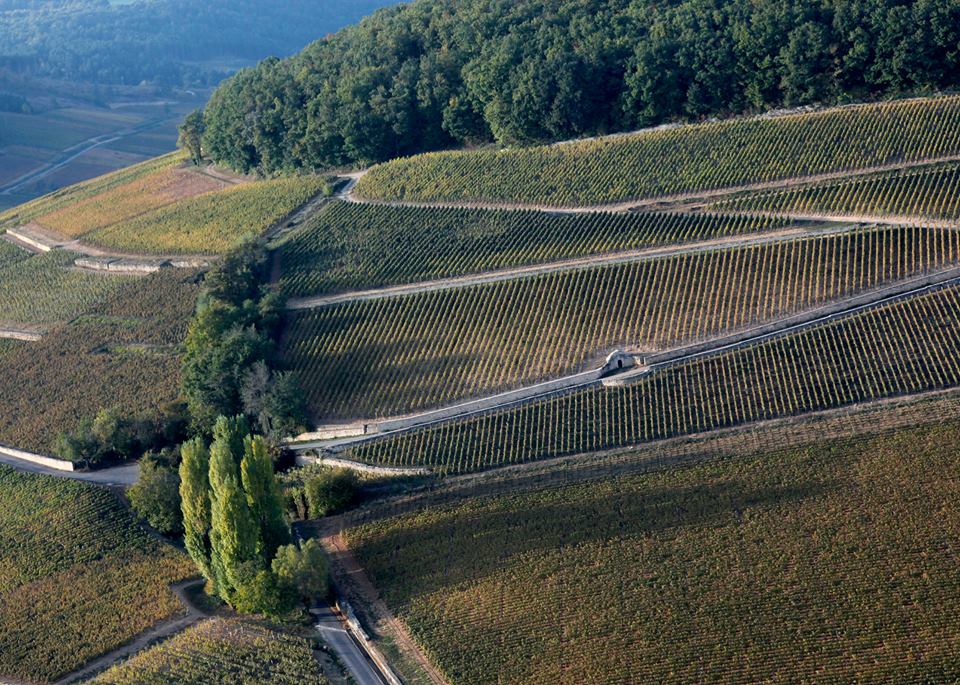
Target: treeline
437, 73
165, 42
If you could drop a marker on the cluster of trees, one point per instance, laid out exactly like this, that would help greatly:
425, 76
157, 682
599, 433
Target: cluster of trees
318, 492
113, 436
165, 42
436, 73
235, 528
230, 364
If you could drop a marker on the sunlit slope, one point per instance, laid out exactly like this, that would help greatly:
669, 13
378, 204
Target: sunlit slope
686, 159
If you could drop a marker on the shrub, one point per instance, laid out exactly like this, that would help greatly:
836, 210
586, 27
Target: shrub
156, 497
330, 491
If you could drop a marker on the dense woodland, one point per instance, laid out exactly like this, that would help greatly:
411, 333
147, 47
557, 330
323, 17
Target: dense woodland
169, 42
436, 73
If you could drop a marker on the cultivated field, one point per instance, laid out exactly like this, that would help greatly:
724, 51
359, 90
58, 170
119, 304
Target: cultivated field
927, 193
78, 577
687, 159
221, 652
830, 564
390, 356
908, 346
46, 289
351, 246
212, 223
123, 352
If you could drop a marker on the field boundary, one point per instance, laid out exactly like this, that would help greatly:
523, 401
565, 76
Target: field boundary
644, 365
38, 459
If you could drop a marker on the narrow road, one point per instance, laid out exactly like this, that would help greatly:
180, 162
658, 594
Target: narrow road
118, 476
338, 638
72, 153
143, 640
516, 273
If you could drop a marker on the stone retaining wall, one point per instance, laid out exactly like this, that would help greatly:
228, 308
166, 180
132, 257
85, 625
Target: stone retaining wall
37, 459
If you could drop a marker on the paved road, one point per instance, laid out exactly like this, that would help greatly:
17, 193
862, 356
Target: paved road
333, 633
123, 476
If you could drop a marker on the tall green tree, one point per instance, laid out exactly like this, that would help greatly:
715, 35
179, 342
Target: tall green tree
263, 497
195, 504
191, 136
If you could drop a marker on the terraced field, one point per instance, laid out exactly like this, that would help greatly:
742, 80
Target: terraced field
78, 577
350, 246
390, 356
212, 223
46, 289
81, 193
686, 159
123, 352
221, 652
927, 193
835, 563
908, 346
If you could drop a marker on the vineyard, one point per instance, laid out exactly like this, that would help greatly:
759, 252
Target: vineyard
77, 369
78, 577
834, 563
10, 254
81, 192
221, 652
212, 223
928, 193
125, 202
904, 347
390, 356
44, 289
353, 246
685, 159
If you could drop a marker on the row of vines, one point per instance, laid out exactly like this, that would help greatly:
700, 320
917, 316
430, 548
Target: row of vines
390, 356
221, 652
679, 160
78, 577
929, 193
353, 246
906, 347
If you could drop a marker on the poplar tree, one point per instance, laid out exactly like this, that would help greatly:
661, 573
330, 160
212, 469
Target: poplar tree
263, 497
195, 503
233, 534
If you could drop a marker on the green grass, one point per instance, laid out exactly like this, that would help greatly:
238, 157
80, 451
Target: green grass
78, 577
212, 223
396, 355
909, 346
350, 246
221, 652
44, 289
678, 160
836, 563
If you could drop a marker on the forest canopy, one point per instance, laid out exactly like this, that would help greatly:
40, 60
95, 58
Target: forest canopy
168, 42
436, 73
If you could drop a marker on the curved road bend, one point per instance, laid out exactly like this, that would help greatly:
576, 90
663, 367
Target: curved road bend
122, 476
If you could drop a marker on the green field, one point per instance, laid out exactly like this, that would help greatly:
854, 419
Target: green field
685, 159
830, 564
90, 364
78, 577
905, 347
221, 652
927, 193
212, 223
351, 246
396, 355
